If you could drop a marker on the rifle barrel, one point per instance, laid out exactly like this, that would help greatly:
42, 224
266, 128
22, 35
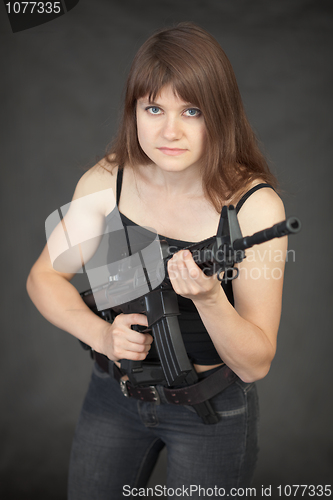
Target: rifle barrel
289, 226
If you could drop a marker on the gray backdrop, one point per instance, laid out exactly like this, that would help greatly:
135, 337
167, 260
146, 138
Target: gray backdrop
61, 90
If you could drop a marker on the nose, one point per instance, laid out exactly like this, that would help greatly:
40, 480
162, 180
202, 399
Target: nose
171, 130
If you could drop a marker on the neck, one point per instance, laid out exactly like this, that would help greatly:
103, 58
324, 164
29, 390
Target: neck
185, 183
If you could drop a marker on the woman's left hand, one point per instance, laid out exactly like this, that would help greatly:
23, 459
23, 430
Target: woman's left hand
188, 279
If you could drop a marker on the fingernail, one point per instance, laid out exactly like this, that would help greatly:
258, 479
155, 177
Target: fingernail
186, 252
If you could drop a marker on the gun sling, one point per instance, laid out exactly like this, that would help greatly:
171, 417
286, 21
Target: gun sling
193, 394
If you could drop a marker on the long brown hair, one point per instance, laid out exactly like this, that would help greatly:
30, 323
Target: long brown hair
193, 63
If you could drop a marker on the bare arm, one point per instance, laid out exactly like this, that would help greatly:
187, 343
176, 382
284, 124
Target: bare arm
58, 300
244, 335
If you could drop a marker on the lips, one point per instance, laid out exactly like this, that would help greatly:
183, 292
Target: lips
172, 151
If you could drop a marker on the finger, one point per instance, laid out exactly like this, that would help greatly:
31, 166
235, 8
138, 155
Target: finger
123, 346
179, 267
182, 257
172, 270
193, 269
139, 348
185, 268
139, 338
134, 356
135, 319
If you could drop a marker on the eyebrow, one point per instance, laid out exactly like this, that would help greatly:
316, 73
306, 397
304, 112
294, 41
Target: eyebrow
145, 100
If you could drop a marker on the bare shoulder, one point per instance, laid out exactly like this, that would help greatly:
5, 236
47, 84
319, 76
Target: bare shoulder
98, 178
98, 187
262, 209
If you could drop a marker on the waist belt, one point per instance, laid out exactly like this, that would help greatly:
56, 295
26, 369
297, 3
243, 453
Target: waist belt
193, 394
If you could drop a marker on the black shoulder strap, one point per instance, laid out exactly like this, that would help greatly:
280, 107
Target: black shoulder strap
119, 183
248, 194
243, 200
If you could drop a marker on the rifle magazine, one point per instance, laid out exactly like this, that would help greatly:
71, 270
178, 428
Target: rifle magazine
171, 350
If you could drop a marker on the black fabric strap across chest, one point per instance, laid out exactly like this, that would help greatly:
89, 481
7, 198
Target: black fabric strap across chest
238, 206
119, 183
251, 191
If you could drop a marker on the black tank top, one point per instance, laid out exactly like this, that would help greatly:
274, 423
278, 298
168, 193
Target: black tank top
198, 343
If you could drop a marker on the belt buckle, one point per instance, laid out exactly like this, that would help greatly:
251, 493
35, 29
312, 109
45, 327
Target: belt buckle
155, 394
123, 387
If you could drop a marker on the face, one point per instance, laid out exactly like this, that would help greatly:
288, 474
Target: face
170, 131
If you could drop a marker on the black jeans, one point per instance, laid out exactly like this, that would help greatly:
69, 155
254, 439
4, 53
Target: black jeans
118, 439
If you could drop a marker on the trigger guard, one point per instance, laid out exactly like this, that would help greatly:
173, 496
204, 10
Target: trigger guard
222, 275
141, 328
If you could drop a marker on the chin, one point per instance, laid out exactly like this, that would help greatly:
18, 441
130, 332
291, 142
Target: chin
173, 165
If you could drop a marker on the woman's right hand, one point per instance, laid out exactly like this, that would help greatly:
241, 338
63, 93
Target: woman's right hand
119, 341
59, 301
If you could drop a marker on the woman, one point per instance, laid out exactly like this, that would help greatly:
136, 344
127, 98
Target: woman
184, 150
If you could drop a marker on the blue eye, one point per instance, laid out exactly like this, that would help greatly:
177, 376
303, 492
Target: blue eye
154, 110
192, 112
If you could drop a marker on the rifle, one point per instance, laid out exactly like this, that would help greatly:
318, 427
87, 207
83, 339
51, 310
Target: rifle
167, 362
